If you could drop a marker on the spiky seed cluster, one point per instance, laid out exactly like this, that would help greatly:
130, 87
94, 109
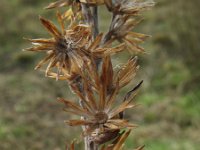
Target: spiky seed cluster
66, 50
75, 51
101, 118
125, 19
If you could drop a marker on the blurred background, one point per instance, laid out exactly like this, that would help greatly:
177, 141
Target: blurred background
169, 115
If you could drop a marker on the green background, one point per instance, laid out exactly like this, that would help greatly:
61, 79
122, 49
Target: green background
169, 115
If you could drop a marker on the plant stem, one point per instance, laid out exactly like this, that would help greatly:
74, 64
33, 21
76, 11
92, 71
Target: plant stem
109, 34
91, 18
95, 21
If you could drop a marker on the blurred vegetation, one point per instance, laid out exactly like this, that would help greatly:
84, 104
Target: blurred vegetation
169, 116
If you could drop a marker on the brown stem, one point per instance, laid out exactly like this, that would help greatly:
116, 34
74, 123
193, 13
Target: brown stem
109, 34
95, 21
86, 13
91, 18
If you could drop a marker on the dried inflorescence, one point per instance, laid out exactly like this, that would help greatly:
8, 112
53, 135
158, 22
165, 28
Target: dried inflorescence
80, 55
125, 18
66, 50
69, 49
101, 119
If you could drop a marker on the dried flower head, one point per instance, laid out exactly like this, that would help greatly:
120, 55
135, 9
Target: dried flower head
130, 7
102, 120
69, 49
66, 50
122, 30
125, 19
82, 56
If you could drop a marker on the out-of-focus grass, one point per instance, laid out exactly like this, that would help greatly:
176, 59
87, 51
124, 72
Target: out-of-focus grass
30, 117
166, 144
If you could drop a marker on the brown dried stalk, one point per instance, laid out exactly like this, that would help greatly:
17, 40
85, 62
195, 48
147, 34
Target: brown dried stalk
82, 57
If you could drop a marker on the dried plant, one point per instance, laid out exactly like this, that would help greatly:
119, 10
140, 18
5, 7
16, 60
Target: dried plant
79, 54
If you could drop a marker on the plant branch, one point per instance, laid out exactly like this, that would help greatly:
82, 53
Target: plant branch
91, 18
87, 14
109, 34
95, 21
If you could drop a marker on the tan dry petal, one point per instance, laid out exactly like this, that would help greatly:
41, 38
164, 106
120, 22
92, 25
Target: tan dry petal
87, 103
92, 71
68, 14
51, 28
61, 21
44, 60
41, 41
107, 74
125, 105
114, 50
112, 97
60, 77
89, 94
59, 3
77, 122
132, 46
96, 42
39, 48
